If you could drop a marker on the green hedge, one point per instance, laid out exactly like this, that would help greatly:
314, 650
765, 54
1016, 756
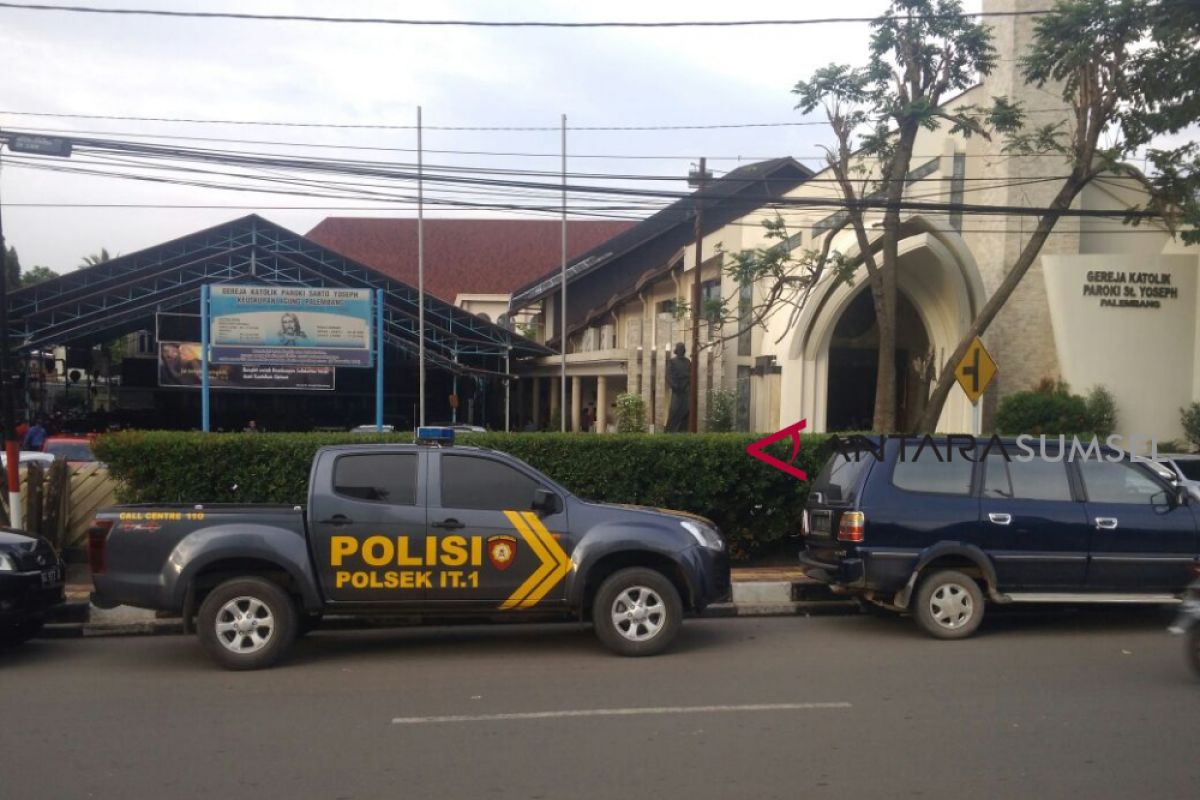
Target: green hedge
1050, 409
708, 474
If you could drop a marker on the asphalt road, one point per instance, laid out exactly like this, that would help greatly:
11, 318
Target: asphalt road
1080, 705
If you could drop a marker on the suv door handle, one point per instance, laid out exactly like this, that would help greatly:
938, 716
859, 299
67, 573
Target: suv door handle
448, 524
337, 520
1106, 523
1000, 519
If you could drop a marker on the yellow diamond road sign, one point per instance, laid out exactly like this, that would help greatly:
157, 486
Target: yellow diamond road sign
975, 371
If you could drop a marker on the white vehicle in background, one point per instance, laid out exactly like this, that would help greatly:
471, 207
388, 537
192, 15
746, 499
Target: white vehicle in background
1185, 469
371, 429
28, 457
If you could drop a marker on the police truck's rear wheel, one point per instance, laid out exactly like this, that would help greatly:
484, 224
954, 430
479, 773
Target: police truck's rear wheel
246, 623
637, 612
949, 605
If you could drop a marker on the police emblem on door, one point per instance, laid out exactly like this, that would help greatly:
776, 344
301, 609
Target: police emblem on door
501, 551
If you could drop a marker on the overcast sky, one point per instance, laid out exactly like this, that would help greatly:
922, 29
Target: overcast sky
359, 74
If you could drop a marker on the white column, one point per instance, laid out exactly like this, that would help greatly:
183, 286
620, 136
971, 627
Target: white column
576, 402
601, 403
555, 391
536, 405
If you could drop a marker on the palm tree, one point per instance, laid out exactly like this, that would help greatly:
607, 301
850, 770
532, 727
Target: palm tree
96, 258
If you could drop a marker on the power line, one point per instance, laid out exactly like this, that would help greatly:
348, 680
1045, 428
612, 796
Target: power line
811, 203
463, 23
386, 127
155, 150
743, 159
466, 128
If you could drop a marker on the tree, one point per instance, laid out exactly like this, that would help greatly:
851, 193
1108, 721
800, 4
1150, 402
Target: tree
96, 258
921, 52
37, 275
12, 268
1129, 72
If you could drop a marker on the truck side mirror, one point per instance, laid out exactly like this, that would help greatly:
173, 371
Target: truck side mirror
546, 501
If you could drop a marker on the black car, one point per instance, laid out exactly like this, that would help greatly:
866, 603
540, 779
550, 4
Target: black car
939, 528
31, 583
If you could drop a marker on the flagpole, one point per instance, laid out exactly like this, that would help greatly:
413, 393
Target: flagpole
562, 313
421, 267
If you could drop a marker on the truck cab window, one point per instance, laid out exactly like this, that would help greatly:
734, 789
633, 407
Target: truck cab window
380, 477
470, 482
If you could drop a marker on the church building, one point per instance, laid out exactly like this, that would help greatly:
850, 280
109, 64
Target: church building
1105, 304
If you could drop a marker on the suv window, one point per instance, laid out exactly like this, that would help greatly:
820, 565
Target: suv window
469, 482
928, 474
1118, 482
840, 476
1036, 479
381, 477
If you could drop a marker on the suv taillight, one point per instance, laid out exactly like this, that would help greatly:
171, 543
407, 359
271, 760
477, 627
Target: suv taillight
850, 528
97, 539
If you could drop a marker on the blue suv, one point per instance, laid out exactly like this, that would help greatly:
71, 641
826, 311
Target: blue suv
939, 527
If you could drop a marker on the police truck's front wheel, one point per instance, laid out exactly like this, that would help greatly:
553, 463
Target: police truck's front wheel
246, 623
637, 612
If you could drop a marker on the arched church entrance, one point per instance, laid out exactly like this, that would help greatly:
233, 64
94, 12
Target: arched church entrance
853, 362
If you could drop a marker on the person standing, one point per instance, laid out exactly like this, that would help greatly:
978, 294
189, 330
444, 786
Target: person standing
35, 437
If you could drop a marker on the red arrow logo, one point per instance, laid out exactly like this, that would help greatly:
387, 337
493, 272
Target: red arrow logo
757, 449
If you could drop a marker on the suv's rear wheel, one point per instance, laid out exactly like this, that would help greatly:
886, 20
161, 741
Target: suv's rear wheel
246, 623
949, 604
637, 612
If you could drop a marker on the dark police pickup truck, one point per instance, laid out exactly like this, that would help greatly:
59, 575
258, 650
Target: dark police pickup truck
934, 527
409, 529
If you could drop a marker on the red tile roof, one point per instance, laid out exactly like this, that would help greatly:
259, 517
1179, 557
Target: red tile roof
492, 256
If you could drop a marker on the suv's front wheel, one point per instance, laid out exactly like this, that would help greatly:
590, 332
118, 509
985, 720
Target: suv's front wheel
949, 604
637, 612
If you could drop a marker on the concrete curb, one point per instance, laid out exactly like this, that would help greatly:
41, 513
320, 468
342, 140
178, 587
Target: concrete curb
77, 619
798, 608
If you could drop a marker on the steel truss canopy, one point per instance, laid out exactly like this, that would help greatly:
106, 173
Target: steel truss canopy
96, 304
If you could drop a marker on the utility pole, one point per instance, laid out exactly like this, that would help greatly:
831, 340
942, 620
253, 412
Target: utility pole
694, 401
8, 397
38, 145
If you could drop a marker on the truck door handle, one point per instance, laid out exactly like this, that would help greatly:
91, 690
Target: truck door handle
337, 520
448, 524
1106, 523
1000, 519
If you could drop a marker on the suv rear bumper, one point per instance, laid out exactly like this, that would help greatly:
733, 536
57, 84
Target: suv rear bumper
849, 573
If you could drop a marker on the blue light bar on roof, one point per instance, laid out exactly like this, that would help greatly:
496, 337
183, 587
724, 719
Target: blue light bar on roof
430, 435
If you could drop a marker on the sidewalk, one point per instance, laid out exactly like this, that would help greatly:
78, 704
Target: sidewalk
757, 592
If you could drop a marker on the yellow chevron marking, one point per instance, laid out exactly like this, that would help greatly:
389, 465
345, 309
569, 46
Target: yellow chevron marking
545, 568
562, 563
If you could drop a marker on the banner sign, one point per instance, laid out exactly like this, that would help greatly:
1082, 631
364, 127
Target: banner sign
179, 365
290, 326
